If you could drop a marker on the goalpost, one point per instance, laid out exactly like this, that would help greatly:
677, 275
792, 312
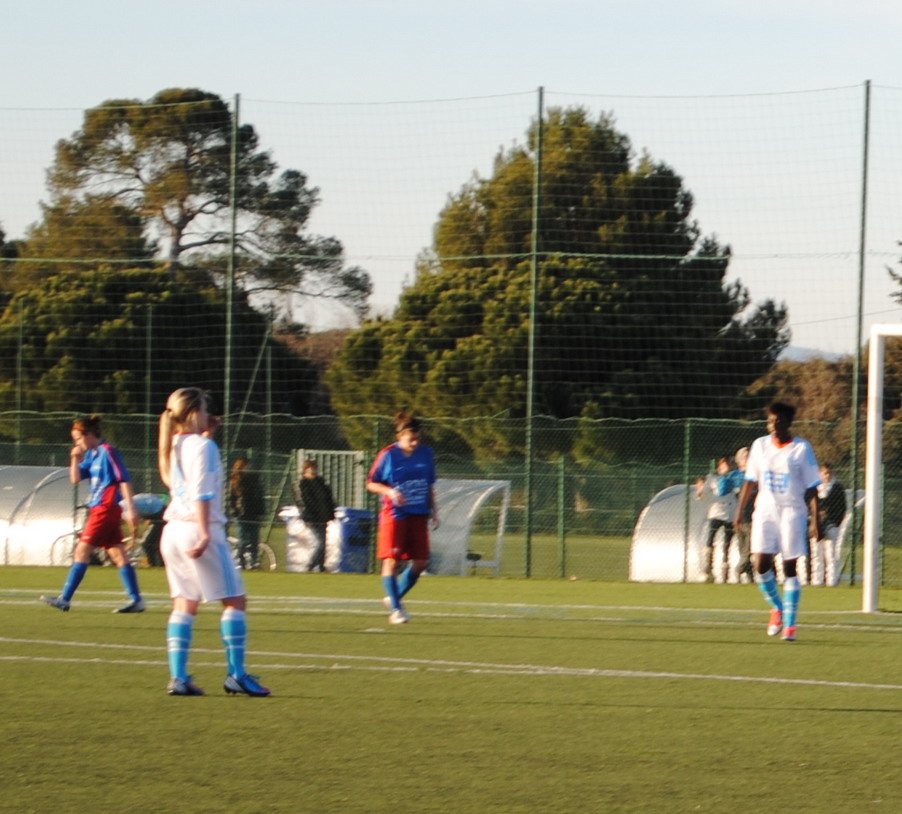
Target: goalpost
873, 458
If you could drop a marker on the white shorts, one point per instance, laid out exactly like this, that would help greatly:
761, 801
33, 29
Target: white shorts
214, 575
780, 530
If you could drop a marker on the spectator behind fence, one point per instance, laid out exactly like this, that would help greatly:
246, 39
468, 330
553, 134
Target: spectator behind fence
724, 484
247, 507
317, 510
826, 562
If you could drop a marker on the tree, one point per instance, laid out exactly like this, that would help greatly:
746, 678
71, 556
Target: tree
83, 338
166, 166
634, 316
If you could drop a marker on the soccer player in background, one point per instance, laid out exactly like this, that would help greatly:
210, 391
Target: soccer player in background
404, 475
92, 457
198, 557
787, 474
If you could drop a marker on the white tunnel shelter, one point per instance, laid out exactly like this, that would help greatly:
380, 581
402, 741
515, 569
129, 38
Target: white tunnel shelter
37, 506
666, 548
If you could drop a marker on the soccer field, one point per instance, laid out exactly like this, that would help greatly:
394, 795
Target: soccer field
499, 696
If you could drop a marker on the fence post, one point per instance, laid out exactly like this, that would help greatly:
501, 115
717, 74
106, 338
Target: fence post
561, 508
687, 502
859, 322
531, 341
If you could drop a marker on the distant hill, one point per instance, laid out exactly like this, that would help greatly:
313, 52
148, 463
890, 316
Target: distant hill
796, 354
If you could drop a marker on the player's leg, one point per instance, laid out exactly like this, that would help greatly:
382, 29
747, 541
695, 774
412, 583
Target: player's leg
416, 545
179, 633
794, 543
129, 578
764, 545
389, 549
178, 537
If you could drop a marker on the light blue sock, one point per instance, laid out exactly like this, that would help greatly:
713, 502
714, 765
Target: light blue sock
407, 581
178, 643
390, 583
792, 591
130, 581
233, 627
76, 575
768, 585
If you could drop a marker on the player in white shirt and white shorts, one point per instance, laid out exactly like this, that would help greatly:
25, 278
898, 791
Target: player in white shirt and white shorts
787, 473
196, 553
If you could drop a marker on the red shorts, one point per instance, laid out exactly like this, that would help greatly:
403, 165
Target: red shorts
103, 528
404, 538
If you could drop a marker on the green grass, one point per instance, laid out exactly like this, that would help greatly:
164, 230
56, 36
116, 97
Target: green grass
501, 695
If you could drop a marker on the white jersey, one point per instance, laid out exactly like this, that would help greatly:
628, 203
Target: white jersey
784, 472
196, 474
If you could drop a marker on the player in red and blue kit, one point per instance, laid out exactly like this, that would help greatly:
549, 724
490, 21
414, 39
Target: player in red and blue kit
404, 475
92, 457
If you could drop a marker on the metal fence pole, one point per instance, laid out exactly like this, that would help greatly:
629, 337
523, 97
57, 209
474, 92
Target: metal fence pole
561, 513
230, 282
859, 323
531, 345
687, 502
148, 381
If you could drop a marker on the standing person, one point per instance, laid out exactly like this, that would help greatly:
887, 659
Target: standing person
198, 559
825, 554
787, 474
743, 530
92, 457
317, 510
404, 475
724, 484
248, 508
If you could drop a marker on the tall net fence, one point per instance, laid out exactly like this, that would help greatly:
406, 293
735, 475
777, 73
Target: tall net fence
535, 264
589, 487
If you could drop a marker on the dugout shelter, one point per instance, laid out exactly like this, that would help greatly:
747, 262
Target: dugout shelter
38, 504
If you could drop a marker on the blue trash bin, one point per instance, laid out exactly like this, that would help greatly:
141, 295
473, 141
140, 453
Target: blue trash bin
356, 527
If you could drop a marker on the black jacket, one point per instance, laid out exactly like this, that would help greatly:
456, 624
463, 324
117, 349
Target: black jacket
317, 503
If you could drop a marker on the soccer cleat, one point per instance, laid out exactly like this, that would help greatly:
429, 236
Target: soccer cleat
56, 602
789, 635
137, 606
247, 684
386, 600
776, 623
398, 617
179, 686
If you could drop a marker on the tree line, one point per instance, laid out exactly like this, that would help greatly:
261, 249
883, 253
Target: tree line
635, 317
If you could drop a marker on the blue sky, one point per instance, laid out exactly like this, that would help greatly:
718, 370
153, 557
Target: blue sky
76, 55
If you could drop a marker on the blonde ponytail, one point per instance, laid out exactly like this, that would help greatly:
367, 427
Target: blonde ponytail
181, 407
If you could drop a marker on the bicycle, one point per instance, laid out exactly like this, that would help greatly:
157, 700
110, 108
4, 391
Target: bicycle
265, 560
62, 550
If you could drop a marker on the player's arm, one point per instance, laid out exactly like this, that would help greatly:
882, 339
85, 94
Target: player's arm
377, 483
131, 513
745, 494
202, 516
76, 456
814, 513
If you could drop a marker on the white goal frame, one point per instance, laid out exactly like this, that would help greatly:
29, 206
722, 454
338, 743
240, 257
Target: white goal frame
873, 486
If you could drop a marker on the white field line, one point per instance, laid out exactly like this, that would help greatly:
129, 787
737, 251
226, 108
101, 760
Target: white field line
321, 606
332, 661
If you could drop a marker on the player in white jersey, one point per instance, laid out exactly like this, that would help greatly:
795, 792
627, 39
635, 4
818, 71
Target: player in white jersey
787, 475
197, 555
